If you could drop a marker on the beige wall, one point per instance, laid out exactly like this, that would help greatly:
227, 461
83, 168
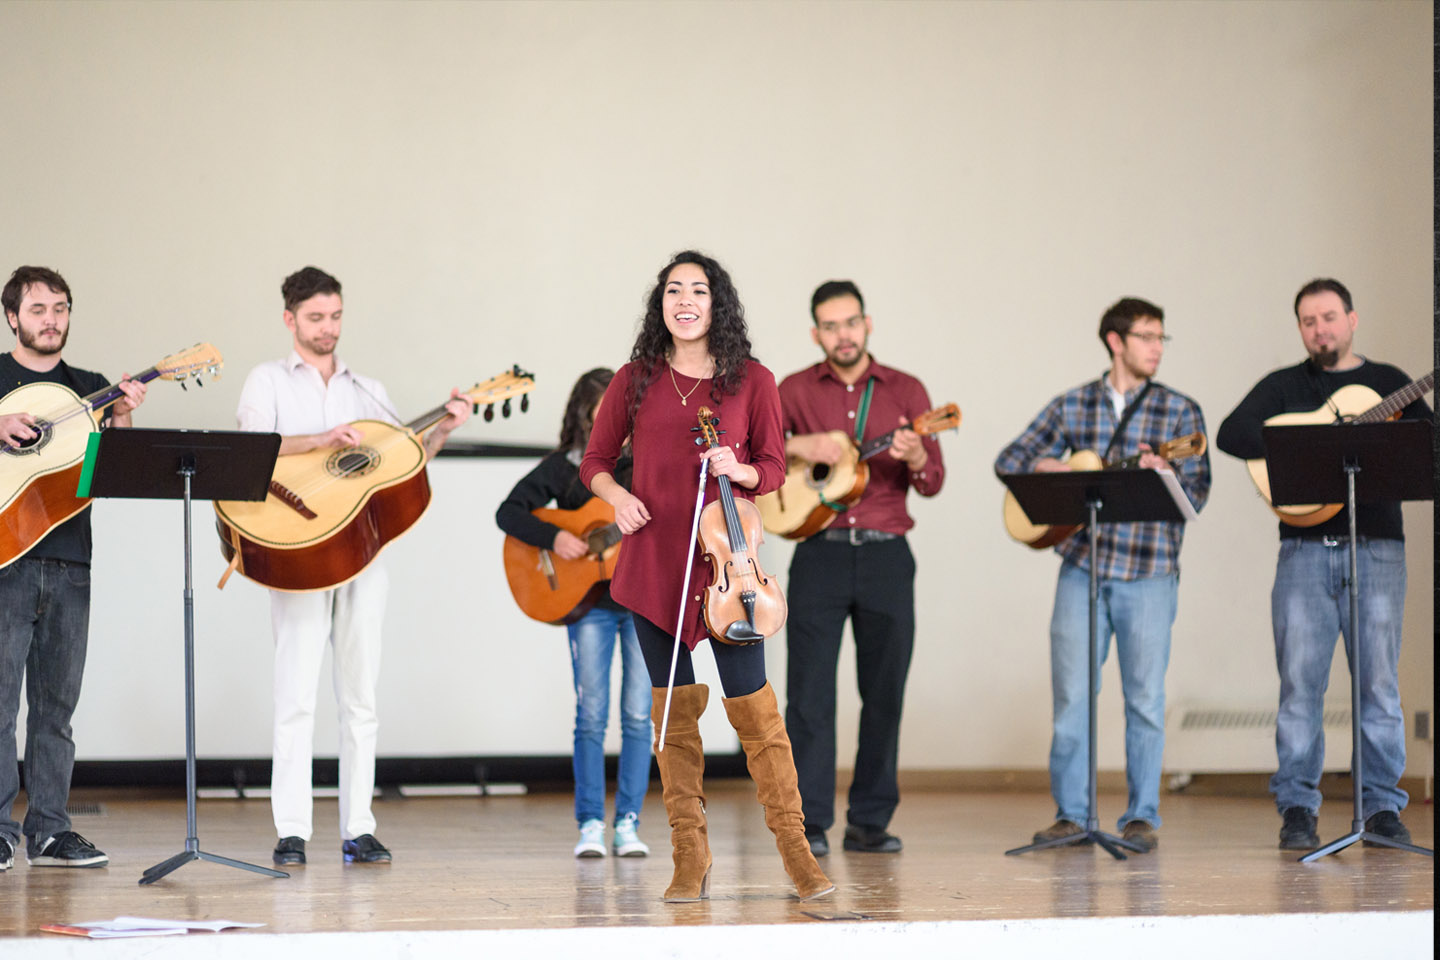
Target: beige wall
498, 182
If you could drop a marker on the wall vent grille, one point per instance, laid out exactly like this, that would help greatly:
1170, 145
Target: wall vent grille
1212, 737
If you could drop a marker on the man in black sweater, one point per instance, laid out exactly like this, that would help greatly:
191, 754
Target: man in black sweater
1309, 604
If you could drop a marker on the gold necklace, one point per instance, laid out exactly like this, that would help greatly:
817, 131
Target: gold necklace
684, 397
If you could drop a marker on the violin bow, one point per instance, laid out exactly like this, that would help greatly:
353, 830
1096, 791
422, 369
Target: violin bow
684, 592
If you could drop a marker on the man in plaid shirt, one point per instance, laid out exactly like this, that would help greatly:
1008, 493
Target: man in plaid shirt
1138, 567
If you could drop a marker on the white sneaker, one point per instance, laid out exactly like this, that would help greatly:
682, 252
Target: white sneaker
592, 839
627, 844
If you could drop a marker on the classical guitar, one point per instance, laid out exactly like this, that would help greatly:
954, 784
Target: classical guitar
38, 477
807, 502
550, 588
329, 512
1352, 404
1039, 535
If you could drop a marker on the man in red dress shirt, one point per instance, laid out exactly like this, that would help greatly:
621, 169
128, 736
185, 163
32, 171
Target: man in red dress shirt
860, 567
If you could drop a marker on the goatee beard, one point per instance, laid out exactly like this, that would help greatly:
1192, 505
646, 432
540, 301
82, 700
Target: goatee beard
1325, 359
33, 344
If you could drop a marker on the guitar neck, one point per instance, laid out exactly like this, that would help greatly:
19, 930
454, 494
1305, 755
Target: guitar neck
1398, 400
880, 444
106, 396
427, 420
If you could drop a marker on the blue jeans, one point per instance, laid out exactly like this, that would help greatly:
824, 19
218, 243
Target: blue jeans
44, 625
1139, 613
592, 649
1309, 608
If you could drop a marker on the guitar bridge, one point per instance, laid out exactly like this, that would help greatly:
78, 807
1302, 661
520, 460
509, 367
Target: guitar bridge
291, 499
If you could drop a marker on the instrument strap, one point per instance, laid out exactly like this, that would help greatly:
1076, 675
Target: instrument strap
1124, 418
860, 418
864, 413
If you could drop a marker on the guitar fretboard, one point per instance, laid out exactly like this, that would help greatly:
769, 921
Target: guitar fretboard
1398, 400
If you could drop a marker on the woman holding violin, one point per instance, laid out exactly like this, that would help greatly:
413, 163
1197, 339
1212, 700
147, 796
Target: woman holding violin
693, 350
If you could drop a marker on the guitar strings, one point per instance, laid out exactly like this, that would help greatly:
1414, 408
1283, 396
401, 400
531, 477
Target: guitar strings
318, 478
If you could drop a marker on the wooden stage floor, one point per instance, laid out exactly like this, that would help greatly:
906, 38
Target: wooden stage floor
504, 863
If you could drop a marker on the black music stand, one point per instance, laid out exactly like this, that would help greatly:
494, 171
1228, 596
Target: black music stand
183, 465
1356, 463
1093, 498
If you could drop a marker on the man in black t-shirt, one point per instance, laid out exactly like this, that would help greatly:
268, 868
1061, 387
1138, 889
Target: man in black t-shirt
45, 593
1310, 604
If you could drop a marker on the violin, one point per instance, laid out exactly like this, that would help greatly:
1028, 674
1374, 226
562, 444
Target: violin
743, 605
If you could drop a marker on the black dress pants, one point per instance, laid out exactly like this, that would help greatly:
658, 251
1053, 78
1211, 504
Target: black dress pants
872, 584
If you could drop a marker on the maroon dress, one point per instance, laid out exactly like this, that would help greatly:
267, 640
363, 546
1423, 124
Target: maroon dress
667, 473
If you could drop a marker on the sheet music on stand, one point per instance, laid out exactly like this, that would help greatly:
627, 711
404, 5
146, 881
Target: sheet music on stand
1178, 494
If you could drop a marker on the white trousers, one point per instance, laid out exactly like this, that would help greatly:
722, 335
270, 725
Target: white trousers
348, 618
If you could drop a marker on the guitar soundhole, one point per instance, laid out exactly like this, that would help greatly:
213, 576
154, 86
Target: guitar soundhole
819, 473
352, 462
45, 429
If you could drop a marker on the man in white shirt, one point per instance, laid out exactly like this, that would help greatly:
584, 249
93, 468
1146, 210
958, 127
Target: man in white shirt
311, 398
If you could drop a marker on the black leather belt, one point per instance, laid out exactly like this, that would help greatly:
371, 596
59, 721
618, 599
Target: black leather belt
856, 536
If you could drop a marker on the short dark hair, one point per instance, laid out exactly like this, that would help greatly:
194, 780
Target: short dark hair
306, 283
22, 278
1123, 313
831, 289
1324, 285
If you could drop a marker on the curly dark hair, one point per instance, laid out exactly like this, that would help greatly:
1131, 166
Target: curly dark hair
575, 427
728, 339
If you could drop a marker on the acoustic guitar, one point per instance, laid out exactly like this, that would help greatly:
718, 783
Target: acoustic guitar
802, 507
1353, 404
1039, 536
330, 512
550, 588
38, 477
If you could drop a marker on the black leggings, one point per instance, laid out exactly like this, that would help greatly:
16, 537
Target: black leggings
742, 669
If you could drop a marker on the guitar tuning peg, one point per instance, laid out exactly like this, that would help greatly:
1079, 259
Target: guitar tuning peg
489, 412
182, 385
475, 408
699, 441
199, 382
525, 403
505, 409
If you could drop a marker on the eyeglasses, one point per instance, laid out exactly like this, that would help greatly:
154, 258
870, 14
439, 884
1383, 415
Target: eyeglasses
1150, 338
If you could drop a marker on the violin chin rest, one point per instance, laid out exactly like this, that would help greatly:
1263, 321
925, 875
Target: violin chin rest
742, 633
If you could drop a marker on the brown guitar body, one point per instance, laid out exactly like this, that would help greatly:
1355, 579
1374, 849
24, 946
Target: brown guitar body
348, 514
551, 589
383, 517
39, 477
47, 502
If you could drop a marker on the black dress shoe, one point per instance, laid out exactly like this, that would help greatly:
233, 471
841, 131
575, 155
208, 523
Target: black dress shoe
289, 851
365, 849
1298, 830
871, 840
819, 846
1386, 824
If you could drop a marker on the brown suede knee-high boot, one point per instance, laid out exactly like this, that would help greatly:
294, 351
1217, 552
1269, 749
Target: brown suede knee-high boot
756, 718
682, 778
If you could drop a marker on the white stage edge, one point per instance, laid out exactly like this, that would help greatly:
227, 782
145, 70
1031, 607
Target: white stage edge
1316, 936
